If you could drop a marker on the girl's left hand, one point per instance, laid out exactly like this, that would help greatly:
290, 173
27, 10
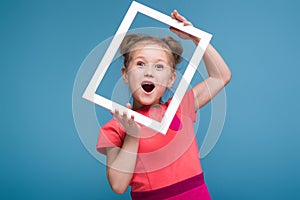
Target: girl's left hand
175, 15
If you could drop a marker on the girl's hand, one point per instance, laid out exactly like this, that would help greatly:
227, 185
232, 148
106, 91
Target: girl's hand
181, 34
131, 127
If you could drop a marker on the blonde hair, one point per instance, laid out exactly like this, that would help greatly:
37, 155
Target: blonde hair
133, 40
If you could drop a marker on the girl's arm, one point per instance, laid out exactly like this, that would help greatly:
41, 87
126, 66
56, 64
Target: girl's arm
218, 72
121, 164
218, 76
121, 161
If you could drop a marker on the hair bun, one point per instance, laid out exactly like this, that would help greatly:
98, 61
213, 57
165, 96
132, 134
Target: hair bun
128, 42
175, 47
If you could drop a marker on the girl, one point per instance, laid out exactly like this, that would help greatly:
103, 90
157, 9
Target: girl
159, 166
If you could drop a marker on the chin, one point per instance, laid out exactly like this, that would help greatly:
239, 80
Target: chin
148, 101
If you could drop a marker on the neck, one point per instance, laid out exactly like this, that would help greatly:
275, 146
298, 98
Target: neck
138, 106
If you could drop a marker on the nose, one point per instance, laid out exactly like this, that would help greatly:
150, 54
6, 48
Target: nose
148, 71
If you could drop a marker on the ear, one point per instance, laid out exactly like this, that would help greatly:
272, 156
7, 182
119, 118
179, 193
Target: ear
124, 74
172, 79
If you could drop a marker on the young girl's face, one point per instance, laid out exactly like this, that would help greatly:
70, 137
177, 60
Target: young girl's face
148, 74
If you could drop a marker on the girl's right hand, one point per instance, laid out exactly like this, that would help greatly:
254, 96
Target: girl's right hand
132, 128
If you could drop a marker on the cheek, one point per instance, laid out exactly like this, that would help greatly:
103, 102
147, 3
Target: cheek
133, 81
166, 80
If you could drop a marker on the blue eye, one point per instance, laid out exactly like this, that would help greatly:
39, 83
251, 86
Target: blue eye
159, 67
140, 63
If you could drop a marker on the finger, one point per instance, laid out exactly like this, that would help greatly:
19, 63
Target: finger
128, 106
113, 112
181, 18
184, 21
173, 15
175, 30
178, 16
175, 12
130, 121
116, 114
187, 23
125, 118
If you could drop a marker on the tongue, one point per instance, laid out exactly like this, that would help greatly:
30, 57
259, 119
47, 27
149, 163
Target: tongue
148, 87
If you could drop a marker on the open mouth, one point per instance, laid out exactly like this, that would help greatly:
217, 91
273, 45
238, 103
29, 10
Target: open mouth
148, 87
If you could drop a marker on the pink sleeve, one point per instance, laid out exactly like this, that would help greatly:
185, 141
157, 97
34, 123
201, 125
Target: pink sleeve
110, 136
187, 105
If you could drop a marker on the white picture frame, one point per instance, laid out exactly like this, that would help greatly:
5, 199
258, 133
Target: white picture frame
135, 8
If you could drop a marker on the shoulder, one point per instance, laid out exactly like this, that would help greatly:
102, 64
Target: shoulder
111, 135
113, 127
188, 96
111, 124
187, 104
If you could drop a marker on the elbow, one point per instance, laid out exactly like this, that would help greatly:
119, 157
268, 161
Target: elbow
227, 77
119, 189
118, 182
118, 186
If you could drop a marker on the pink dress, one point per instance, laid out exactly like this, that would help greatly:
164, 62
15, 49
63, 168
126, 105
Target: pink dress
165, 162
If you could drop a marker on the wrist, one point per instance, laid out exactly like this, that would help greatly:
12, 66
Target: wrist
131, 143
131, 139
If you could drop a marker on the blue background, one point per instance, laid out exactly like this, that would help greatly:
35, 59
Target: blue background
43, 44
